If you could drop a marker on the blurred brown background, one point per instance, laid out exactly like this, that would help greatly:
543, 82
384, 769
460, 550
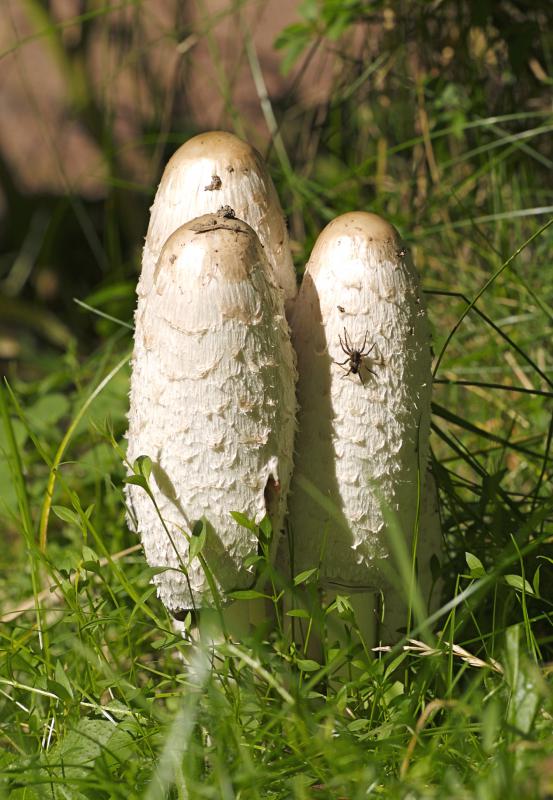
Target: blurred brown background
95, 97
141, 65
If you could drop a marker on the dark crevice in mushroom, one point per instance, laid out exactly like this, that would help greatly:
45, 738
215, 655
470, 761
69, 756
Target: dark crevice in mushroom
180, 614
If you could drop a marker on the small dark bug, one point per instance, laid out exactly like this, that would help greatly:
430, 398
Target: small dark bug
354, 356
215, 184
227, 212
402, 253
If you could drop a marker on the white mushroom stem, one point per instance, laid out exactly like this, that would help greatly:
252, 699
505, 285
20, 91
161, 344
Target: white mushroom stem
398, 601
363, 345
210, 171
212, 405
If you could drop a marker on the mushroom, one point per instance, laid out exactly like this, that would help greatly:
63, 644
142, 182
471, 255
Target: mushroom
212, 404
429, 545
362, 340
211, 171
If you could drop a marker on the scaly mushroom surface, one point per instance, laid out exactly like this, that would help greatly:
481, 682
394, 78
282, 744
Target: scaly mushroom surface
212, 404
363, 345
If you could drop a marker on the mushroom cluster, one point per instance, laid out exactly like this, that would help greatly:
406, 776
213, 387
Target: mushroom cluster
213, 402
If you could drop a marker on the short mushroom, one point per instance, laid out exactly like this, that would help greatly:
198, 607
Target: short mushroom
212, 405
363, 346
211, 171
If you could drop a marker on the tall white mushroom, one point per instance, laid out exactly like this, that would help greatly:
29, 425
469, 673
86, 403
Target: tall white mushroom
213, 170
363, 345
212, 404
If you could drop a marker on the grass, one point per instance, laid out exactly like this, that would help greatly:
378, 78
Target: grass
98, 695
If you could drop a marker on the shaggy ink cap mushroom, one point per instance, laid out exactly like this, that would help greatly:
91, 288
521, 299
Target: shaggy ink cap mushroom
213, 170
212, 404
362, 433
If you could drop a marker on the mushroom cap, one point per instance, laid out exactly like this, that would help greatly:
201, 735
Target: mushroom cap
208, 172
359, 228
363, 437
213, 144
232, 259
212, 404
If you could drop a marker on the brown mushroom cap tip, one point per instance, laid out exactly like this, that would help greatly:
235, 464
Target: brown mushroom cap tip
212, 145
213, 171
362, 226
360, 223
218, 221
230, 243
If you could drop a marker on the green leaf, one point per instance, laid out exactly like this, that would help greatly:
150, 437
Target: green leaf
307, 665
518, 583
20, 434
121, 746
66, 562
395, 690
294, 39
524, 680
253, 561
536, 581
344, 607
89, 554
358, 725
197, 540
63, 680
304, 576
266, 527
475, 566
310, 10
92, 566
394, 664
67, 515
113, 292
80, 747
143, 466
138, 480
298, 612
243, 520
59, 690
246, 594
166, 642
100, 460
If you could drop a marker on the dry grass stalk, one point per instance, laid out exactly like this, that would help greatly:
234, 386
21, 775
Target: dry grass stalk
422, 649
427, 712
